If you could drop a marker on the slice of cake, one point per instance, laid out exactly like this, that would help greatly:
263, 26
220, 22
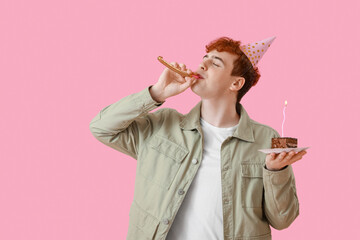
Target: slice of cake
284, 142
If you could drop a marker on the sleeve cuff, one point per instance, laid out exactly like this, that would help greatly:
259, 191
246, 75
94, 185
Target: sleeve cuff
277, 177
145, 101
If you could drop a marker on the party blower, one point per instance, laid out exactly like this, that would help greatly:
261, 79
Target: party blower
182, 73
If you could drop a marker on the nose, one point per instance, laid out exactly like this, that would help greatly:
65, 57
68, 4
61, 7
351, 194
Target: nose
202, 66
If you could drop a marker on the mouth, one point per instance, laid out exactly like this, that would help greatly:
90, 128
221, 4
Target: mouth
200, 76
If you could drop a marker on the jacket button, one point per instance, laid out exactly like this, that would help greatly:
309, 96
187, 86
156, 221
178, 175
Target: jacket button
194, 161
181, 192
165, 221
226, 168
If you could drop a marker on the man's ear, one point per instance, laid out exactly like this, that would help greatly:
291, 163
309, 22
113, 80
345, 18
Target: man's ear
238, 83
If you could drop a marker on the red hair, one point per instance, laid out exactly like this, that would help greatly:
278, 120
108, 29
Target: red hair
242, 65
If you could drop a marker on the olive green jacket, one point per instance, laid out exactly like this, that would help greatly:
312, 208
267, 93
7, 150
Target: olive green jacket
168, 148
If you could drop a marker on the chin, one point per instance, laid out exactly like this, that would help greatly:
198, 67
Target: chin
195, 90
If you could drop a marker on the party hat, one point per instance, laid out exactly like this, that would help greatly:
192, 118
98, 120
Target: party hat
254, 51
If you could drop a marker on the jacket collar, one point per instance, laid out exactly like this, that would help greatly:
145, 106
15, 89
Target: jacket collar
244, 131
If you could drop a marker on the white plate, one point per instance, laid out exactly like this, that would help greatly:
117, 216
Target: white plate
279, 150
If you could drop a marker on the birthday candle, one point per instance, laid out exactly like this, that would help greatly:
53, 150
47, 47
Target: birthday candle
282, 127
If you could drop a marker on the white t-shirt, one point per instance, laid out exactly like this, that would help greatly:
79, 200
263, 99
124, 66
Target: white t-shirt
200, 215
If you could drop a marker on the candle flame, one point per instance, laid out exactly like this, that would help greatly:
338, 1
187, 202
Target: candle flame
285, 102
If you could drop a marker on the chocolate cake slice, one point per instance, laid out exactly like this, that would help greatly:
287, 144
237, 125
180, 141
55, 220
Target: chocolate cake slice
284, 142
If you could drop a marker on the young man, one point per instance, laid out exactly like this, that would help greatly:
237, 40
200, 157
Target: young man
200, 175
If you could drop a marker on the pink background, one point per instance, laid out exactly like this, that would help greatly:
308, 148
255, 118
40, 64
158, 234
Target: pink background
61, 62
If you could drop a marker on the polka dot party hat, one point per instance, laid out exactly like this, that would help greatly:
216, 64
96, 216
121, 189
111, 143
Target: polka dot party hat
254, 51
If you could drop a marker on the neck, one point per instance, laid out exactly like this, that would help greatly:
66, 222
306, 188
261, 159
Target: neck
219, 113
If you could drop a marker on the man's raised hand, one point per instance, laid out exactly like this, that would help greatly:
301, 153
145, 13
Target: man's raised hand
171, 83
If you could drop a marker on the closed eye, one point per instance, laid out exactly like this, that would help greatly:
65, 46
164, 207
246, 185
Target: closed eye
215, 64
206, 56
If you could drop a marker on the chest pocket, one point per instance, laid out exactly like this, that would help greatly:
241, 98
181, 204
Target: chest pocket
252, 185
162, 160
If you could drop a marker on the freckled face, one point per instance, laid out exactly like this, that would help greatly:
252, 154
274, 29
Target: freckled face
216, 68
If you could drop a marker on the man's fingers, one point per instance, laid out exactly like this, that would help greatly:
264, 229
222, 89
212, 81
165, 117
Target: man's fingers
189, 71
295, 157
280, 156
175, 64
186, 84
270, 157
182, 66
284, 158
302, 153
290, 155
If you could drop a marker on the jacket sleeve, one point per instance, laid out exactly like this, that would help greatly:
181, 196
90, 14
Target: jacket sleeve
281, 205
125, 124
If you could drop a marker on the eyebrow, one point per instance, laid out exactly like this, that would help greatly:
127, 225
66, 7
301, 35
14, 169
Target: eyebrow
215, 57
